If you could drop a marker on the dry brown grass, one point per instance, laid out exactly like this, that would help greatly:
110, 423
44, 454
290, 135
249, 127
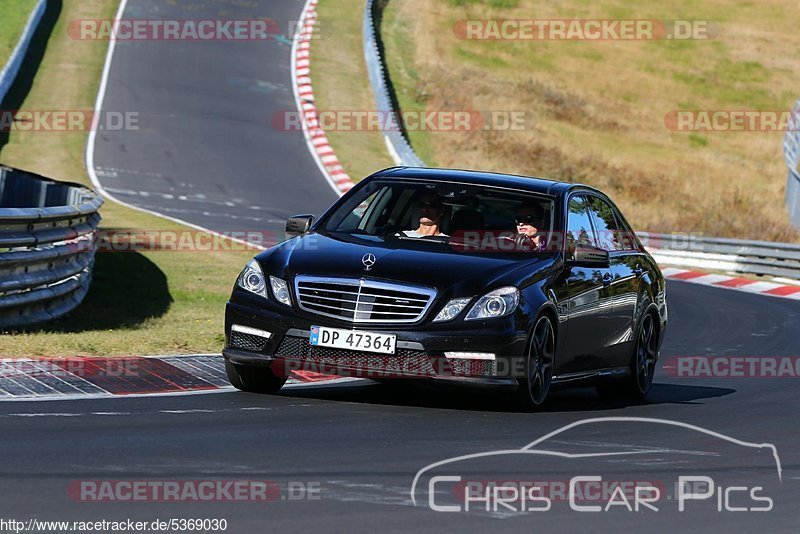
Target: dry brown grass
596, 109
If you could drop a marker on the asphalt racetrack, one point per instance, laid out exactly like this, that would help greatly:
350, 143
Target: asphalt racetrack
205, 150
343, 457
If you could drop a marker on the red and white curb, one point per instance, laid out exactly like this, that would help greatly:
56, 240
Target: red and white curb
315, 136
724, 281
134, 376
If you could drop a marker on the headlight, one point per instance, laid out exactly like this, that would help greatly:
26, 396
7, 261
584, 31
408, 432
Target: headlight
452, 309
280, 290
497, 303
252, 279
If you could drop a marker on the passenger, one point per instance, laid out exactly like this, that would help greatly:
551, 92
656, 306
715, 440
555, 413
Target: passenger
431, 210
530, 220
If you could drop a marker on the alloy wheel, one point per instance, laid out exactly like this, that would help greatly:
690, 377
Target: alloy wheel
645, 355
540, 360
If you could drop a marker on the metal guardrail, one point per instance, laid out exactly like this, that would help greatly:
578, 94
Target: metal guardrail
791, 151
760, 258
763, 258
47, 244
396, 142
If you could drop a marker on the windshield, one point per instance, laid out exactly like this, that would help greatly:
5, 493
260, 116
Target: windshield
471, 217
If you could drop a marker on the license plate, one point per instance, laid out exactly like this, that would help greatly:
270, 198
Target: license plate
337, 338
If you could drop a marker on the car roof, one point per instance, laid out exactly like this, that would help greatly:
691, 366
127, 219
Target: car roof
527, 183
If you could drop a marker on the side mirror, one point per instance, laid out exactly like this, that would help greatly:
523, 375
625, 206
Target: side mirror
298, 225
588, 256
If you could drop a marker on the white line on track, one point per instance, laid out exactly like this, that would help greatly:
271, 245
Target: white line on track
346, 381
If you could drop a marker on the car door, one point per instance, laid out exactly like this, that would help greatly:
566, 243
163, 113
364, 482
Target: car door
583, 300
624, 284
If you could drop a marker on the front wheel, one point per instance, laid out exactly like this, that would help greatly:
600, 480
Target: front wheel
535, 386
252, 378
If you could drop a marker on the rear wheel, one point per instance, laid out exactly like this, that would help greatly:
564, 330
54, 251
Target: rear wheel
642, 366
252, 378
535, 386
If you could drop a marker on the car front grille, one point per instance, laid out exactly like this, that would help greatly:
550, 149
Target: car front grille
406, 362
361, 300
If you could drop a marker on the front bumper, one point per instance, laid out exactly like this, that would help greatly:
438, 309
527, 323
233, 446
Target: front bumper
419, 352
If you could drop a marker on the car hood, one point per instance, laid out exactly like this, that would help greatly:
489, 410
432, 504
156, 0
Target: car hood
437, 265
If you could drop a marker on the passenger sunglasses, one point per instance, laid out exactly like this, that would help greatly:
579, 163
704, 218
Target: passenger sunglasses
425, 204
527, 219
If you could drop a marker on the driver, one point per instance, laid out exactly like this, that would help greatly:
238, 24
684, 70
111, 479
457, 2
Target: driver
431, 210
530, 221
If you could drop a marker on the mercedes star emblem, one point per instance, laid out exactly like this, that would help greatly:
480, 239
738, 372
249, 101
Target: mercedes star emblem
368, 260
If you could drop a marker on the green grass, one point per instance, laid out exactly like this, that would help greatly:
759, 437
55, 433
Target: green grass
13, 17
698, 140
140, 303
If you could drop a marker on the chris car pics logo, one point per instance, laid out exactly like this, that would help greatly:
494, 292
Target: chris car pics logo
503, 482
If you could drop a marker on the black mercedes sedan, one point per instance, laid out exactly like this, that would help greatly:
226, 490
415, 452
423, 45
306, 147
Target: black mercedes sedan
461, 275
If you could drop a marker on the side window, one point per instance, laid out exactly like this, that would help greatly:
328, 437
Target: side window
605, 222
627, 239
579, 226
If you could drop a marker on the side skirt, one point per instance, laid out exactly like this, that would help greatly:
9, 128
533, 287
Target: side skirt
588, 376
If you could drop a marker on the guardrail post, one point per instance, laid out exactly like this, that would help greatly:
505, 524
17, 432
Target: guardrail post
791, 146
396, 142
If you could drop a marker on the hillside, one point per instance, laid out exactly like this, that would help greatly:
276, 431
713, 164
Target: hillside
599, 111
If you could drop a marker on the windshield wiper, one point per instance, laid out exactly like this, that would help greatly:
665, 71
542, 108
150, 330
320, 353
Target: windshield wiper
424, 239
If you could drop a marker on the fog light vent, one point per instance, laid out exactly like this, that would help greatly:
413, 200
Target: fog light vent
249, 339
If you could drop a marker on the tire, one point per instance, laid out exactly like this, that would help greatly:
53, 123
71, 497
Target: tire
252, 378
642, 366
534, 387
